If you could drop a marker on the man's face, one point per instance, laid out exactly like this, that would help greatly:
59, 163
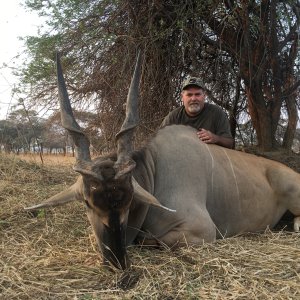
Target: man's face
193, 100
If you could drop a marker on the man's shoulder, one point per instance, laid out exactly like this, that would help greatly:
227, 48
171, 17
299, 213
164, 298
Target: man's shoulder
173, 117
214, 108
177, 110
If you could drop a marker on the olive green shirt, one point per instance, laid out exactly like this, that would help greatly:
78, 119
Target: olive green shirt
211, 118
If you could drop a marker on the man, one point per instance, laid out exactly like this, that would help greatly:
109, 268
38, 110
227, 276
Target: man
210, 120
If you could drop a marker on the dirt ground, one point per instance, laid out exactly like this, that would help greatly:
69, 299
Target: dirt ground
52, 254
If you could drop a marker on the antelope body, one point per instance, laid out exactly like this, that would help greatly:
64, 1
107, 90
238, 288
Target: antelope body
175, 191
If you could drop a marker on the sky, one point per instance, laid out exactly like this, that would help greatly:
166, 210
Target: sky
15, 22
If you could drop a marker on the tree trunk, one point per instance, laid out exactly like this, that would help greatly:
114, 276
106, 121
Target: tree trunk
290, 98
233, 112
292, 123
260, 116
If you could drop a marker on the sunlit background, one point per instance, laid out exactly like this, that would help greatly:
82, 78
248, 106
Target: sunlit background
15, 23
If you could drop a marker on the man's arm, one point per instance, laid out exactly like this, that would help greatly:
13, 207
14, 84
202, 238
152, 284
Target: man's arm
210, 138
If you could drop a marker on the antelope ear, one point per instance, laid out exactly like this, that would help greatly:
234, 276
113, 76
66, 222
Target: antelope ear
144, 196
71, 194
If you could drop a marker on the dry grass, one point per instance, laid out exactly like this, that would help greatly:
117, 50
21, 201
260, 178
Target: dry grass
53, 255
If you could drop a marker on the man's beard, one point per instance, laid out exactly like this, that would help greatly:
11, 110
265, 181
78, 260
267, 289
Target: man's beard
194, 107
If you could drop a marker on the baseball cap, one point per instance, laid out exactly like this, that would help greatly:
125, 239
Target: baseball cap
192, 81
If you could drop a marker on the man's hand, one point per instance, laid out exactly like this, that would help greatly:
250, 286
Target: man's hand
207, 137
210, 138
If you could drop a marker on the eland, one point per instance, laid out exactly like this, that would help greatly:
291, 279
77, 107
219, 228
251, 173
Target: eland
175, 191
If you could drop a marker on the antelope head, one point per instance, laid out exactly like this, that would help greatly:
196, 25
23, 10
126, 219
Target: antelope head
105, 184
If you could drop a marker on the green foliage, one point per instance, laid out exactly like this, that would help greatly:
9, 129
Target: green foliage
41, 214
8, 134
20, 131
99, 40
